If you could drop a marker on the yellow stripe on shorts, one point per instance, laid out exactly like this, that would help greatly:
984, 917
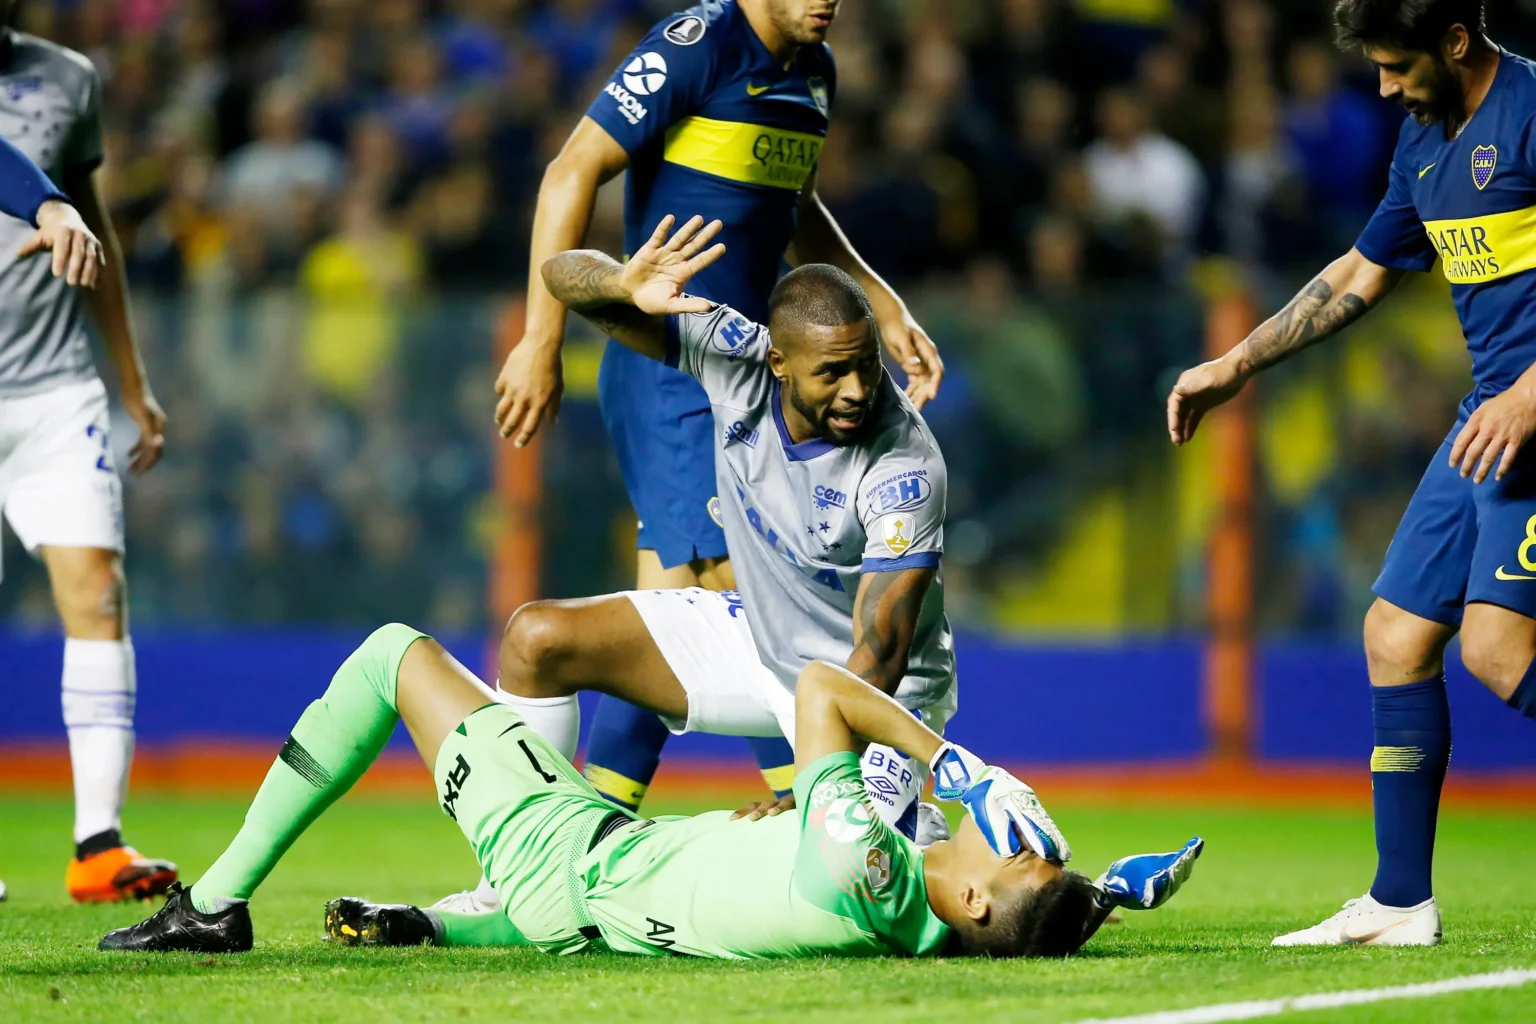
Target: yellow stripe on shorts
751, 153
614, 786
780, 779
1397, 759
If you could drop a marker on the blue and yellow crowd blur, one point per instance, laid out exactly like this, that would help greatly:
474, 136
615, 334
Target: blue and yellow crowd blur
325, 206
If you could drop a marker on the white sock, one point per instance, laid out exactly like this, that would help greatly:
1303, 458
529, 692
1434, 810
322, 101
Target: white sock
485, 895
557, 719
99, 691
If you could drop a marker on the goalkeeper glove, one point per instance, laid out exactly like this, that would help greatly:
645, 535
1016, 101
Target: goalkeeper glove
1007, 811
1147, 880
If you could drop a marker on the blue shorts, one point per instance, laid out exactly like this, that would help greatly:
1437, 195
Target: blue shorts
664, 433
1460, 542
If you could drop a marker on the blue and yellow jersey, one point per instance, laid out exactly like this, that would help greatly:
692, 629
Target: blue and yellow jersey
714, 125
1471, 203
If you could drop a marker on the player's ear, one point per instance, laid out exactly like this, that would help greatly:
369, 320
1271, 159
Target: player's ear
1456, 43
776, 362
976, 901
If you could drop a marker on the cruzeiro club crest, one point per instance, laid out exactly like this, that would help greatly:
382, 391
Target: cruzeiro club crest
1484, 159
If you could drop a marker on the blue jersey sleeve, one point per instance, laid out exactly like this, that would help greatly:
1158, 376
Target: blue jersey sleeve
663, 80
23, 185
1395, 237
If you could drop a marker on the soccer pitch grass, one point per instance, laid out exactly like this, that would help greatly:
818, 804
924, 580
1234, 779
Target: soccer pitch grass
1263, 872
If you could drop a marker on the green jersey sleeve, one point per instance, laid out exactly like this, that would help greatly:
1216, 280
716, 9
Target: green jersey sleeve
852, 864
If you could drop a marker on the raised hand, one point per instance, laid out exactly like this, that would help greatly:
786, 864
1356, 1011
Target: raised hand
1008, 813
654, 276
1147, 880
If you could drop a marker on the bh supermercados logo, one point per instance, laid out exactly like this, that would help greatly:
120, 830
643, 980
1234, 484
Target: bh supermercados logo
1484, 159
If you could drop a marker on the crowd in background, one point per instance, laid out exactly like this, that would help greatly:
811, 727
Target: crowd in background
324, 204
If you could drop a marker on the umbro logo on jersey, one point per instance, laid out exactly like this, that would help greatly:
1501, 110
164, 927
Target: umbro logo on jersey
685, 31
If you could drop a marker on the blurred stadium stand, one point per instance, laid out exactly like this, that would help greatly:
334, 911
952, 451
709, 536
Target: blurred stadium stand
325, 205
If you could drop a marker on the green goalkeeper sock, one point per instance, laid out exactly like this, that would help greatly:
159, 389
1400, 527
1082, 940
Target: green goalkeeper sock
476, 928
331, 745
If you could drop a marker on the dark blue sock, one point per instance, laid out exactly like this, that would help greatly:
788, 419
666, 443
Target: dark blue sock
1413, 747
1523, 699
623, 751
776, 758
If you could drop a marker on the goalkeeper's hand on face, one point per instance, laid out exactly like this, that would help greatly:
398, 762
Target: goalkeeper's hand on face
1147, 880
1007, 811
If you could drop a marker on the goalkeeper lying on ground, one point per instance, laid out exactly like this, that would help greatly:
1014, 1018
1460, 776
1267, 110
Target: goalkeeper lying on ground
573, 873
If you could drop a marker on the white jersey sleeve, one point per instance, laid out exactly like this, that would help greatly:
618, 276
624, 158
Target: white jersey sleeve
901, 504
723, 350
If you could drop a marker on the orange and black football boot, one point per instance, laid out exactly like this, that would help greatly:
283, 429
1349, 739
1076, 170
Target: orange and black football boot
106, 871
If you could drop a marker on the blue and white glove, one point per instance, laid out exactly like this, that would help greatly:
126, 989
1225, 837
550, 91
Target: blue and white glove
1007, 811
1147, 880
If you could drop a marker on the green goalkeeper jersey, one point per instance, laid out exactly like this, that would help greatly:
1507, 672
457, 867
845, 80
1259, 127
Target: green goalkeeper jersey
830, 879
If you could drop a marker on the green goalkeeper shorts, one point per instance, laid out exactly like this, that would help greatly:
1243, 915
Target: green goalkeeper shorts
529, 816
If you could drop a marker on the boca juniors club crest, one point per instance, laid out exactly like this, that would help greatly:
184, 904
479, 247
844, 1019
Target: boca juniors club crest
1484, 159
818, 87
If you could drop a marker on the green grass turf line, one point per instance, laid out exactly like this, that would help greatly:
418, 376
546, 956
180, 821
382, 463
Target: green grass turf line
1263, 872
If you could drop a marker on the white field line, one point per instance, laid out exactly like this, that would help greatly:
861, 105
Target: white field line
1322, 1000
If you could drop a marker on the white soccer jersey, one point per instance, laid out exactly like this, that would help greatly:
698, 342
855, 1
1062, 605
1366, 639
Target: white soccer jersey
50, 99
804, 521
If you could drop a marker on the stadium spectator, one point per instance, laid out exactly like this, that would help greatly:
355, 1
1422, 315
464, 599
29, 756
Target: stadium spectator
270, 171
1140, 178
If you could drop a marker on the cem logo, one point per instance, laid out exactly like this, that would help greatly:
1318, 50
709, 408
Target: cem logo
685, 31
829, 497
645, 74
734, 337
901, 493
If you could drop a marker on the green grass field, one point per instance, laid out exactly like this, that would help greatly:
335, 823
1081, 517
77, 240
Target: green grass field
1262, 873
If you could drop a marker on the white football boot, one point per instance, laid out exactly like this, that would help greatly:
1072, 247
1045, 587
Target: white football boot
480, 900
1364, 922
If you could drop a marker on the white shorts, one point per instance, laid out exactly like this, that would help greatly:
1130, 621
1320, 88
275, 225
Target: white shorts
58, 482
705, 638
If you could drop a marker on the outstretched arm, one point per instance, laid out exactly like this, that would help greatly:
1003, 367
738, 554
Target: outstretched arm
835, 710
629, 301
1330, 302
885, 611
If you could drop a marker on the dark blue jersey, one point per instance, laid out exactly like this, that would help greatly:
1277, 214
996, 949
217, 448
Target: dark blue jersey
1471, 202
713, 125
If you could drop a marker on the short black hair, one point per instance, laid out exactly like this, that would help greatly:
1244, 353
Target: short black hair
1403, 24
1051, 921
817, 295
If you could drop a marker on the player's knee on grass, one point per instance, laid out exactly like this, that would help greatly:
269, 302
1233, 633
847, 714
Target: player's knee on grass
89, 590
533, 645
1401, 647
1053, 920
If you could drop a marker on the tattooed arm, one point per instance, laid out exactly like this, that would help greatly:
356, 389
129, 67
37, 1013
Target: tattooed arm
1333, 300
629, 301
885, 614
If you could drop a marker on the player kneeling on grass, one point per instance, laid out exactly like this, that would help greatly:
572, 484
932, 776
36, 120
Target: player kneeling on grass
573, 873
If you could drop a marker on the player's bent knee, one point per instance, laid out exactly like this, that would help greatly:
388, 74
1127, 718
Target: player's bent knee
1401, 645
532, 647
1497, 664
380, 655
93, 592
